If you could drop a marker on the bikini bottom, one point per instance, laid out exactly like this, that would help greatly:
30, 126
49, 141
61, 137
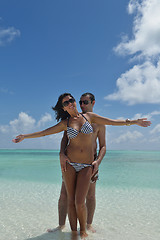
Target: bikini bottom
79, 166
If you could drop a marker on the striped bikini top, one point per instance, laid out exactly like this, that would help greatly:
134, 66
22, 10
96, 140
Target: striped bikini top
86, 129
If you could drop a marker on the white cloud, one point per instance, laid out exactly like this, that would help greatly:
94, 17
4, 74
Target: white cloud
155, 141
140, 115
4, 129
156, 129
148, 115
146, 30
7, 35
46, 118
23, 123
132, 6
141, 84
129, 136
155, 113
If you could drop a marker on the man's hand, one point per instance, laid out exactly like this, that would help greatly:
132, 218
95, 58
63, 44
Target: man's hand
95, 167
142, 122
63, 160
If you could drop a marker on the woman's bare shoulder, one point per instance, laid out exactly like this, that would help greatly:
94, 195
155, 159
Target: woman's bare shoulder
64, 122
61, 126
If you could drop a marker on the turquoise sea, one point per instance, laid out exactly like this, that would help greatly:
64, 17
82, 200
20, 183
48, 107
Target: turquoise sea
127, 193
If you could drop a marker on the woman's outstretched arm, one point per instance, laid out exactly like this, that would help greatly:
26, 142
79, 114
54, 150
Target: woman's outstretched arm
52, 130
142, 122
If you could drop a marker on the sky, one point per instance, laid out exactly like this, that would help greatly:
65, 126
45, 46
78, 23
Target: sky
109, 48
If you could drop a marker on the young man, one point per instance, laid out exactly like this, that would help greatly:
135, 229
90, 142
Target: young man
87, 102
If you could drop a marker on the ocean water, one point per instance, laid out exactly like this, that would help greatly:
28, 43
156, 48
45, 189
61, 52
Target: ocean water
127, 194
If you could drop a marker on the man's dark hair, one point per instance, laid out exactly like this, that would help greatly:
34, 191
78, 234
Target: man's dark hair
91, 96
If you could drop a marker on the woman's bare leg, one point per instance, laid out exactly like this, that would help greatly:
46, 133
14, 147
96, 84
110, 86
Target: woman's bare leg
82, 186
70, 183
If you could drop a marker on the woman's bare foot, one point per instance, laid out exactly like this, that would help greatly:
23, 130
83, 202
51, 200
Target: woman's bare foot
90, 228
59, 228
83, 235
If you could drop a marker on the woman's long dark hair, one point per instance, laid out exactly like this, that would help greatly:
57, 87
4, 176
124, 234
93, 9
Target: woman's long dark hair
60, 113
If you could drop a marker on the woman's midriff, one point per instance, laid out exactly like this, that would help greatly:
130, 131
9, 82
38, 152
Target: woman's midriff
81, 150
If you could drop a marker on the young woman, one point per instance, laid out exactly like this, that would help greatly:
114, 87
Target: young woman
79, 151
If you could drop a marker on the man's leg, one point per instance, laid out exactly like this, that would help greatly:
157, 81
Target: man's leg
91, 205
62, 209
62, 206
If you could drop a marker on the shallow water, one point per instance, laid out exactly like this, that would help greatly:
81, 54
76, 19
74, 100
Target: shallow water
128, 196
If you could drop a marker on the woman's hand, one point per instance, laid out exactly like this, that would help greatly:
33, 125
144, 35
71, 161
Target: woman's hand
18, 139
143, 123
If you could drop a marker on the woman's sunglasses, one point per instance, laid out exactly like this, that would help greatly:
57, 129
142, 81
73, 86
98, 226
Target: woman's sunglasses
66, 103
85, 102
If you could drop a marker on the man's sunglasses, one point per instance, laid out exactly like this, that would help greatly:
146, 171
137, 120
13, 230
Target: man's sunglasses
85, 102
66, 103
